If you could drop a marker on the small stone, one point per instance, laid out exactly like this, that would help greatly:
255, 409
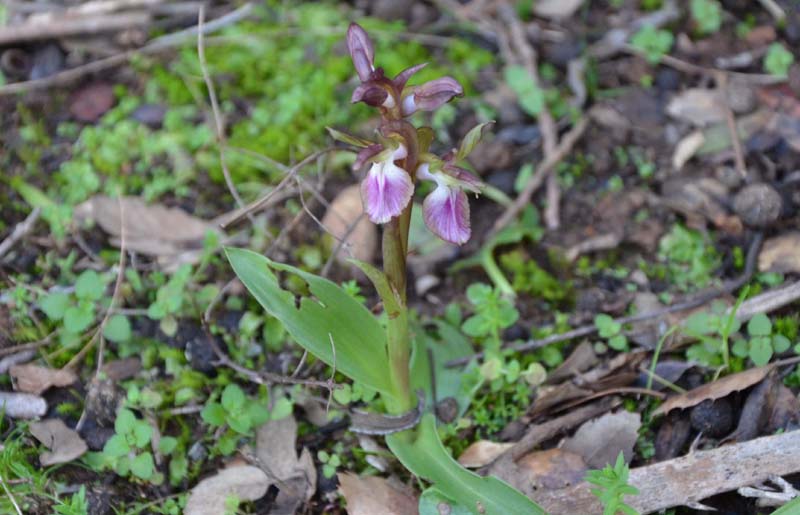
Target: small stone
758, 205
151, 115
447, 410
713, 418
667, 79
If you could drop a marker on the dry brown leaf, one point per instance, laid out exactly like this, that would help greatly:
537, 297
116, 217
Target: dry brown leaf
553, 469
698, 106
170, 234
582, 359
600, 441
22, 405
121, 369
715, 390
686, 148
779, 254
372, 495
65, 444
556, 9
482, 453
35, 379
246, 483
346, 210
296, 477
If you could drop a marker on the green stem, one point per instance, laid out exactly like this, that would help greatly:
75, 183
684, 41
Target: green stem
395, 243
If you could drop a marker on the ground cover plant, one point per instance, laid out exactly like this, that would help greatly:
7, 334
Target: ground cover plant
399, 257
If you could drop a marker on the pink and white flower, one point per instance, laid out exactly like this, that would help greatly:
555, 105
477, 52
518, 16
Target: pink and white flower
446, 209
387, 188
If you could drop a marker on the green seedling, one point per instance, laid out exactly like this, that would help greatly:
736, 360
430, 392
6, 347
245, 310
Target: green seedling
778, 60
612, 331
763, 343
127, 452
612, 483
330, 463
653, 43
706, 15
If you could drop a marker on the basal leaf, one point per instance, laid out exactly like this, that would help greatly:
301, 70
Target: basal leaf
422, 453
329, 319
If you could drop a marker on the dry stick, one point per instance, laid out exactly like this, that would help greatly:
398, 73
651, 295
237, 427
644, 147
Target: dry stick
27, 346
155, 46
539, 433
65, 26
542, 171
261, 203
690, 478
738, 152
218, 124
19, 232
114, 298
527, 55
702, 298
10, 495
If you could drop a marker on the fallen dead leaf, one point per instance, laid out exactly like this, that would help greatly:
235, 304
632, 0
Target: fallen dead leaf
208, 497
582, 359
372, 495
686, 148
600, 441
90, 102
482, 453
65, 444
121, 369
22, 405
556, 9
35, 379
715, 390
779, 254
296, 477
345, 211
169, 234
553, 469
697, 106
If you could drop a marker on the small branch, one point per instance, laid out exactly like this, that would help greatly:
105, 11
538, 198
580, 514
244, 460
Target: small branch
19, 232
765, 301
157, 45
543, 170
65, 26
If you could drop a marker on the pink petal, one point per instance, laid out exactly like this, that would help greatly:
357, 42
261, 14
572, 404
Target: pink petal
402, 77
464, 178
446, 213
436, 93
361, 51
386, 191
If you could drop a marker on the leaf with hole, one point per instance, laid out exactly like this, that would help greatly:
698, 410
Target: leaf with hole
328, 319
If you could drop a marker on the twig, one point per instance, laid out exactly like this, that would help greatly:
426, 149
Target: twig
98, 334
157, 45
10, 496
259, 204
738, 152
27, 346
774, 9
20, 230
542, 171
65, 26
219, 126
776, 299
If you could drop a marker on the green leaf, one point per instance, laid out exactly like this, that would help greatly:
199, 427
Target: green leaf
240, 422
759, 325
478, 293
116, 446
283, 408
349, 139
780, 343
117, 329
606, 326
760, 350
213, 414
421, 452
167, 444
791, 508
89, 286
329, 317
142, 466
124, 422
78, 318
431, 501
54, 305
530, 97
702, 322
142, 433
778, 60
472, 138
618, 342
233, 398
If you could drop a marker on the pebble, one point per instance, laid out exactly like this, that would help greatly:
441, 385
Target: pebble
713, 418
758, 205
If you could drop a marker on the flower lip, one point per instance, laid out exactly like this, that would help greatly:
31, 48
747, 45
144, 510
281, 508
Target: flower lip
387, 188
446, 213
434, 94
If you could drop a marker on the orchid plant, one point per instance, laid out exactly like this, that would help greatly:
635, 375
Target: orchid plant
340, 331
